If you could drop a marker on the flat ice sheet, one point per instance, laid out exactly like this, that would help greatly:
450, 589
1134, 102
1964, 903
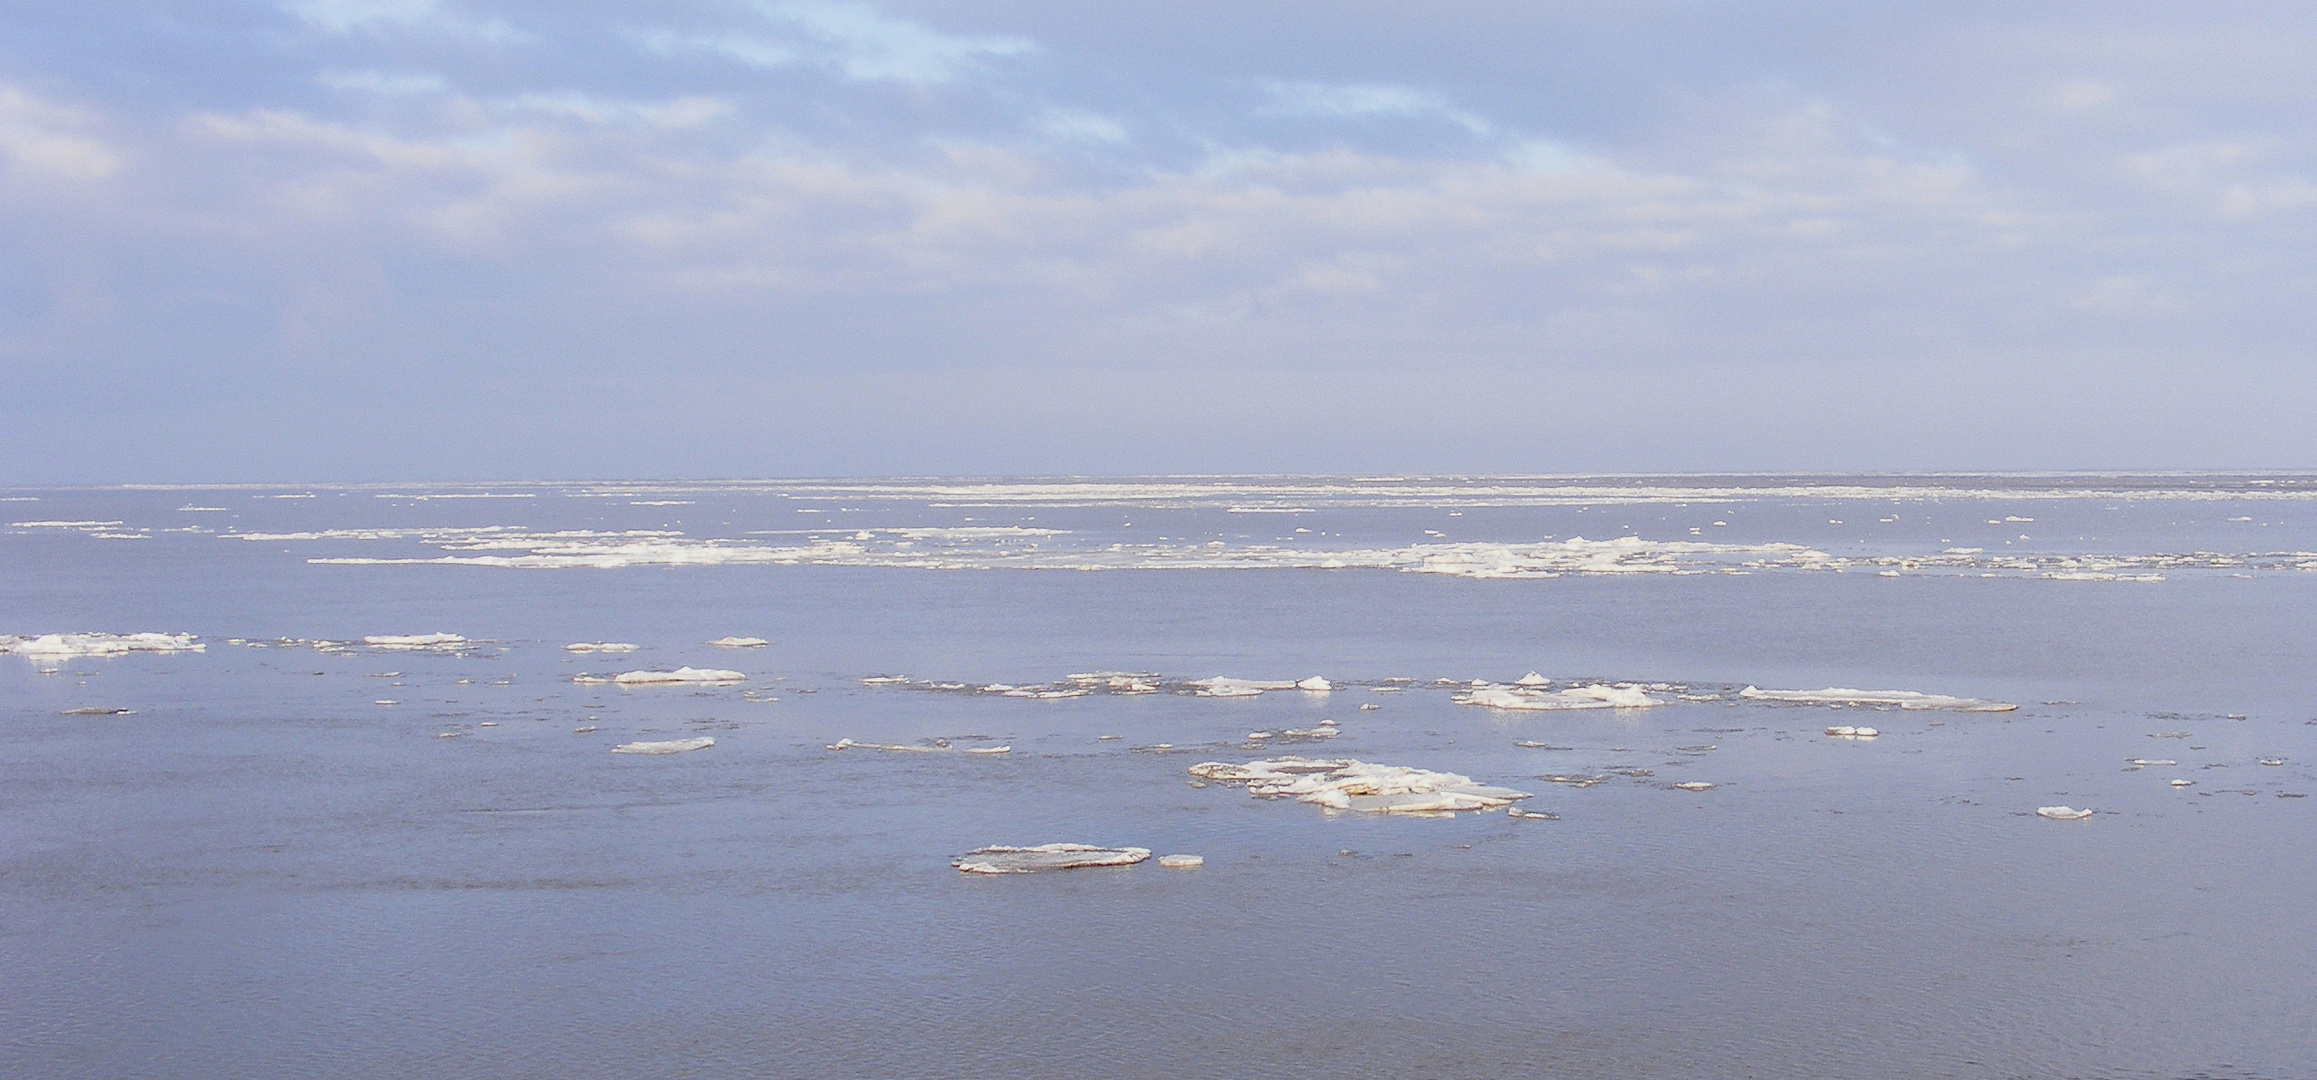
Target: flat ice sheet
1903, 699
682, 675
1001, 859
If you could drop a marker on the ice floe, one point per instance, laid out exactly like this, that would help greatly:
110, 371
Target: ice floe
1001, 859
683, 675
936, 746
2062, 813
1596, 696
1532, 679
436, 641
1846, 731
69, 646
2184, 783
1316, 684
665, 746
1346, 784
1224, 686
600, 646
740, 643
1182, 862
1903, 699
1693, 785
91, 710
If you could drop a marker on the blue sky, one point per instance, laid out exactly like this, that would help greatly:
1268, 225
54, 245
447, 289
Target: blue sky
366, 239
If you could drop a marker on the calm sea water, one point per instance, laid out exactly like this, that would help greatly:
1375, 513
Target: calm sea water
263, 871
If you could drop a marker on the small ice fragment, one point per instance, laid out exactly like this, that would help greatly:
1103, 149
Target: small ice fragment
740, 643
680, 675
989, 749
488, 723
2062, 813
1315, 684
600, 646
1222, 686
2272, 761
1001, 859
1254, 736
583, 730
447, 735
1596, 696
1370, 707
1532, 815
1108, 738
884, 680
1182, 862
666, 746
386, 701
2141, 761
90, 710
1693, 785
1531, 679
1327, 723
2184, 783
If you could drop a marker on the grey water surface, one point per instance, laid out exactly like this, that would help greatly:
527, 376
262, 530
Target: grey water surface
261, 871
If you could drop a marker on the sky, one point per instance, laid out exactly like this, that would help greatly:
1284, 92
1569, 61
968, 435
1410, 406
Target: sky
314, 240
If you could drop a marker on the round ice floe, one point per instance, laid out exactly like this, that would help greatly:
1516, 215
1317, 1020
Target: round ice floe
2062, 813
669, 746
1001, 859
1182, 862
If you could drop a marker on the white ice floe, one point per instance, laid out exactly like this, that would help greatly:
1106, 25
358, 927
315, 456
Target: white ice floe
1345, 784
67, 646
667, 746
1316, 684
600, 646
1001, 859
682, 675
1846, 731
1532, 679
740, 643
1182, 862
2184, 783
2062, 813
1224, 686
2272, 761
2139, 762
1596, 696
1903, 699
1693, 785
938, 746
437, 641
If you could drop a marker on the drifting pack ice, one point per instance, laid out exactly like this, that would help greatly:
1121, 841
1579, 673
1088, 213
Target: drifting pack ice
1345, 784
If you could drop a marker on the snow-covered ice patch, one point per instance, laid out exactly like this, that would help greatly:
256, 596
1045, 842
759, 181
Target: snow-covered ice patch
1227, 687
2062, 813
682, 675
740, 643
1001, 859
1596, 696
1903, 699
66, 646
1846, 731
1182, 862
438, 641
600, 646
665, 746
1346, 784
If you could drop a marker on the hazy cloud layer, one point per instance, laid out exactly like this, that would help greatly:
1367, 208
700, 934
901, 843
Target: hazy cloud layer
355, 238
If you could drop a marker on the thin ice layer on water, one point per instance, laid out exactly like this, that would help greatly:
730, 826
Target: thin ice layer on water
66, 646
1346, 784
1524, 699
939, 746
1904, 699
1001, 859
683, 675
729, 642
600, 646
666, 746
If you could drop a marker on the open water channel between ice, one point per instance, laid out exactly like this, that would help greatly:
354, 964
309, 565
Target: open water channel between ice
259, 845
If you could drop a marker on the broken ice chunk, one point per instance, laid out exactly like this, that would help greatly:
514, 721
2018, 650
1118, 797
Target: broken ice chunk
668, 746
2184, 783
414, 641
710, 676
1345, 784
1846, 731
1223, 686
1693, 785
600, 646
1315, 684
740, 643
66, 646
2062, 813
1596, 696
1001, 859
1182, 862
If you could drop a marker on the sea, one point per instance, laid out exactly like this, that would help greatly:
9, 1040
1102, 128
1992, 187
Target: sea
396, 780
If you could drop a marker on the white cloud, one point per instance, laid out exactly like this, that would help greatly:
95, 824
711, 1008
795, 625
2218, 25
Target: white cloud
384, 83
1362, 101
854, 40
373, 16
1078, 126
43, 140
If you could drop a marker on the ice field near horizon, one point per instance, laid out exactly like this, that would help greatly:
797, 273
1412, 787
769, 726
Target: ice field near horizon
1488, 776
